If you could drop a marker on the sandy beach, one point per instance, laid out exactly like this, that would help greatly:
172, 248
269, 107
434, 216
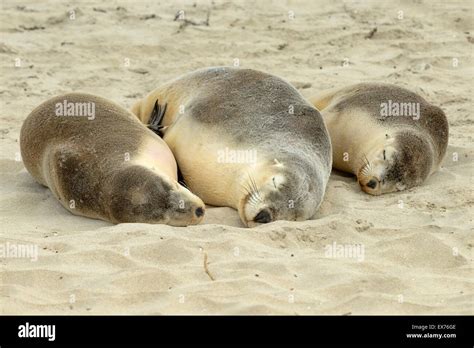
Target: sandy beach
402, 253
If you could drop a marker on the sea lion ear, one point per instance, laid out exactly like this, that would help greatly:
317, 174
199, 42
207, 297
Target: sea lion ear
387, 136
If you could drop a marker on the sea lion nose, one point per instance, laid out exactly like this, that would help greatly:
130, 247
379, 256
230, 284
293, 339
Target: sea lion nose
372, 183
263, 216
199, 212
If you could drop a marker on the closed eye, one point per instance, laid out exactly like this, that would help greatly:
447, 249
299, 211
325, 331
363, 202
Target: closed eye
384, 155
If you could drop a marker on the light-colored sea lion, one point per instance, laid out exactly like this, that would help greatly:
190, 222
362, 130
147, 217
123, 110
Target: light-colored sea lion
244, 139
101, 162
389, 137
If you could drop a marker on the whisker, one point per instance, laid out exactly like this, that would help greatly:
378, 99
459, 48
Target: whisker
249, 192
365, 165
251, 183
367, 160
252, 190
246, 189
361, 162
254, 185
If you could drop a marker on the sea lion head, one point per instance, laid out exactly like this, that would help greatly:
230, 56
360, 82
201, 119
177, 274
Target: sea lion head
399, 163
139, 194
279, 191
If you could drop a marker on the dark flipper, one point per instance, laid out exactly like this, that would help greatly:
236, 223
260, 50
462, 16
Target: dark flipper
156, 118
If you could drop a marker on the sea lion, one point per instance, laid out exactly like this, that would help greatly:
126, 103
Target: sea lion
99, 161
244, 139
389, 137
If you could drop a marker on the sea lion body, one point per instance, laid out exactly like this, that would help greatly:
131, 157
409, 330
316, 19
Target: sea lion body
104, 164
388, 136
214, 113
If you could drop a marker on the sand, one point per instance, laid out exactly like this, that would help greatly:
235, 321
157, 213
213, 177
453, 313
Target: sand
415, 247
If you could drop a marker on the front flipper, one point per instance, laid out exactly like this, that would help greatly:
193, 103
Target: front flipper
156, 118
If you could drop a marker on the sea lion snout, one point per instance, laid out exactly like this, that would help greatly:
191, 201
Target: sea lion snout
264, 216
185, 208
372, 183
279, 193
199, 212
372, 186
140, 194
